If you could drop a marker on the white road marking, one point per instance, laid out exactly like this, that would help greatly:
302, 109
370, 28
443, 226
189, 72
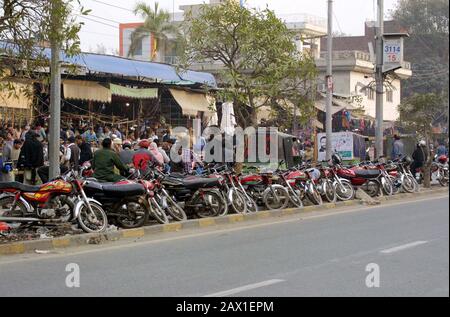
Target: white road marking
244, 288
403, 247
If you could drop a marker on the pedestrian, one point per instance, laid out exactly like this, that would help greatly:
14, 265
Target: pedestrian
142, 157
31, 157
7, 158
85, 152
419, 156
441, 149
90, 135
126, 155
397, 148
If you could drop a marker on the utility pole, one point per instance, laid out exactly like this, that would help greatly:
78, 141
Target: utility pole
55, 91
329, 82
379, 80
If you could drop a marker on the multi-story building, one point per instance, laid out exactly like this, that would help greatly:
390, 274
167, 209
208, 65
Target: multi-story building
353, 71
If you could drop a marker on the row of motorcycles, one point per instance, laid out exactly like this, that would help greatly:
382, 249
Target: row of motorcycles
75, 197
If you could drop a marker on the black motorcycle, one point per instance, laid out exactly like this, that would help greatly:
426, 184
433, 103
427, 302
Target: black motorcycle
196, 195
123, 202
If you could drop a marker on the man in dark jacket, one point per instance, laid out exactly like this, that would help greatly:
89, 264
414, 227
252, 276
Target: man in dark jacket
104, 162
419, 156
85, 152
31, 157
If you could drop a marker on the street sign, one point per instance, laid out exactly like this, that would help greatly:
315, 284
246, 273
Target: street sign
393, 50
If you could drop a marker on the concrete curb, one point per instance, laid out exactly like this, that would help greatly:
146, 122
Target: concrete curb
101, 238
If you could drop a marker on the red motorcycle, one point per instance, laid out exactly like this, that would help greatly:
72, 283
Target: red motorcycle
262, 188
59, 201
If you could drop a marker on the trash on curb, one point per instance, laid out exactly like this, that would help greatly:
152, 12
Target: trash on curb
42, 251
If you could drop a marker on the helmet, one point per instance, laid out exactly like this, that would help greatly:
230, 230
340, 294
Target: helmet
422, 143
336, 159
144, 144
407, 160
442, 159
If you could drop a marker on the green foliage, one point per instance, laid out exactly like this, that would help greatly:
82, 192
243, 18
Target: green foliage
421, 111
26, 26
427, 48
261, 66
156, 22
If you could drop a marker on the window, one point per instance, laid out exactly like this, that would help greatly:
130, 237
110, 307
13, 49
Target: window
371, 93
390, 96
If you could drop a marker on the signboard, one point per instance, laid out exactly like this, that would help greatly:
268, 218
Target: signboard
341, 142
350, 146
392, 53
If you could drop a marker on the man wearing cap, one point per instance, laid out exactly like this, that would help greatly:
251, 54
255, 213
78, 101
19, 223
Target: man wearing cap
143, 156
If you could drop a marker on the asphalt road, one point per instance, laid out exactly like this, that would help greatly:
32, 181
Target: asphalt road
315, 255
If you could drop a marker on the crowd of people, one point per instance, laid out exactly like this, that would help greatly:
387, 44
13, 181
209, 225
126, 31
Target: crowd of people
112, 152
24, 152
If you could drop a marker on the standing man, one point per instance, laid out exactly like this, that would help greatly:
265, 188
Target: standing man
8, 148
31, 157
419, 156
397, 148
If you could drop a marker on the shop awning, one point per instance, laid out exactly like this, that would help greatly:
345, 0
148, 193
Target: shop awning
192, 102
16, 98
86, 90
145, 93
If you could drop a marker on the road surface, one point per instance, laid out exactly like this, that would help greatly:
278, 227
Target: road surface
324, 254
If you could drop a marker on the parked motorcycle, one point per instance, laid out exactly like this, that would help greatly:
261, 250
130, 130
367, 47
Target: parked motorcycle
196, 195
59, 201
124, 201
264, 190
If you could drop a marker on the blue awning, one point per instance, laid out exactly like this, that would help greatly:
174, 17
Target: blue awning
115, 65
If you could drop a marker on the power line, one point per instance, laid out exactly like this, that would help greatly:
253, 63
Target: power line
85, 17
112, 5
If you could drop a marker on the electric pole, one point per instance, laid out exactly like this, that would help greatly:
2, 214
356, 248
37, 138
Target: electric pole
329, 82
55, 89
379, 81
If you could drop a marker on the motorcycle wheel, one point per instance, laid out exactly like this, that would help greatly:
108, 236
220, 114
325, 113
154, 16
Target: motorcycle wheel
86, 221
443, 179
329, 191
212, 202
296, 198
395, 189
409, 184
252, 206
314, 197
277, 198
174, 209
157, 212
135, 215
372, 188
238, 201
345, 191
7, 210
388, 188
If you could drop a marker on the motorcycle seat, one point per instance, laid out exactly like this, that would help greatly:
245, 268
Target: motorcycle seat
113, 189
367, 173
19, 186
201, 182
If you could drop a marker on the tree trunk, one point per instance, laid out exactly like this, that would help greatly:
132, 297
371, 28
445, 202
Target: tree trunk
427, 165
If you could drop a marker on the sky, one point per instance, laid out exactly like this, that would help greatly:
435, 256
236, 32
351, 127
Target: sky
102, 25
